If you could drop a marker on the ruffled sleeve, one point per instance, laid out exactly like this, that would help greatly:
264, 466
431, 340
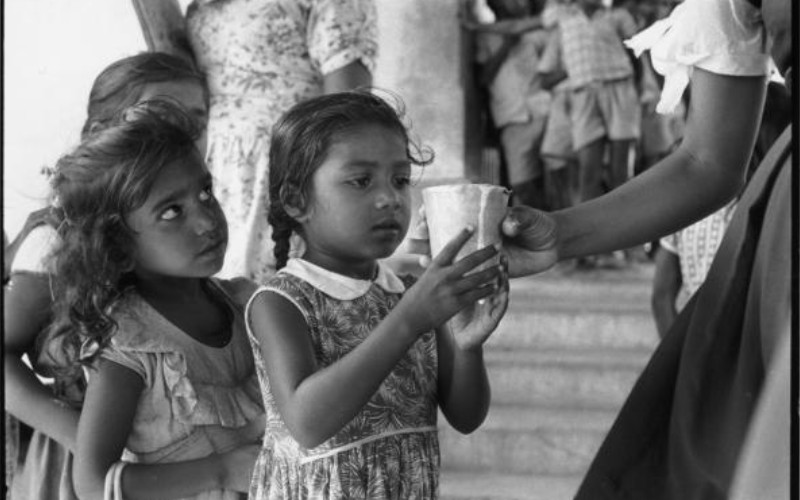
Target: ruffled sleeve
224, 391
721, 36
341, 32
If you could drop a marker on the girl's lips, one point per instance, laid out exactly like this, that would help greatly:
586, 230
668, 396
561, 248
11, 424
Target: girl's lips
213, 247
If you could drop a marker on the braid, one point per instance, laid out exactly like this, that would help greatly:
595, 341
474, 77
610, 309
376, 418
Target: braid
282, 227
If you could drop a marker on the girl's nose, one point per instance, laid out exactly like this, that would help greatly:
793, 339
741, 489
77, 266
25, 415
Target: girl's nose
207, 220
389, 197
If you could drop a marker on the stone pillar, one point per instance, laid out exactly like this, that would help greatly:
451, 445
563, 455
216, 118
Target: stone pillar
425, 57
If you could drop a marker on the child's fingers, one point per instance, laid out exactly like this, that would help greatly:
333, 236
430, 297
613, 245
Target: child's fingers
449, 252
474, 259
478, 293
487, 276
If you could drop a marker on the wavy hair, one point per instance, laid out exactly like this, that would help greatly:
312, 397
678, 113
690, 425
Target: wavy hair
121, 84
108, 175
300, 143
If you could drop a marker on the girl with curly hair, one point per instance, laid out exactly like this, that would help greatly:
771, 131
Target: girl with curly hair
172, 407
47, 402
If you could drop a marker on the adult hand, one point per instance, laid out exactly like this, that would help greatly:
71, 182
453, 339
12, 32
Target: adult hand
529, 241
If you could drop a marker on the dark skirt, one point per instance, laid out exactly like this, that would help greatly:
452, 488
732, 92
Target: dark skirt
680, 433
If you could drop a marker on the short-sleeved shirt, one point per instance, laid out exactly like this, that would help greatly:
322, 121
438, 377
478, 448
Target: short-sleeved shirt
591, 48
516, 91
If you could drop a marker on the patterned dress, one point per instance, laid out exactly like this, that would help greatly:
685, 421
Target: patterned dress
391, 448
261, 57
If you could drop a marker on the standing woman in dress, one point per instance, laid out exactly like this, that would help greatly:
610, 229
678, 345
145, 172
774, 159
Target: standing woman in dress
260, 58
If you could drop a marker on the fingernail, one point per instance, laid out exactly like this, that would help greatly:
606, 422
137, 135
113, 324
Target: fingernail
470, 228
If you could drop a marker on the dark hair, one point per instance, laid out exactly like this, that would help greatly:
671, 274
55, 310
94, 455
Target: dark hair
109, 174
121, 84
300, 142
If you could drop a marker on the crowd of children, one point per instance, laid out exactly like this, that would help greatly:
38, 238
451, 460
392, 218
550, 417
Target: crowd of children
573, 109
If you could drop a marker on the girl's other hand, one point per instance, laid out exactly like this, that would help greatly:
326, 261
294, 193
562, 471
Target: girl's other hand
472, 326
445, 287
530, 241
237, 467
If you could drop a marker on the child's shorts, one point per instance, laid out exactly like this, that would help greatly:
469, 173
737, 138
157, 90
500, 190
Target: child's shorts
605, 109
557, 141
521, 144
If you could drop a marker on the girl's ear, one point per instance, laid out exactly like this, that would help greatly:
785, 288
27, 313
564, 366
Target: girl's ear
294, 203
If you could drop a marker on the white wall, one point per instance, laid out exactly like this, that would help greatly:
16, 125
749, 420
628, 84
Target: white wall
53, 51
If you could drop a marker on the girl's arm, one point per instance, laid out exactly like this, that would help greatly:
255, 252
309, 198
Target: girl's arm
507, 26
27, 304
105, 423
348, 77
666, 285
705, 172
463, 386
317, 402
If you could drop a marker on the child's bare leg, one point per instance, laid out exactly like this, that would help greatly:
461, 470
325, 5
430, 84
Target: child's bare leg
590, 161
620, 151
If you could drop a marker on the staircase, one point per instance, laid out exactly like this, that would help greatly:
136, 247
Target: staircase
561, 364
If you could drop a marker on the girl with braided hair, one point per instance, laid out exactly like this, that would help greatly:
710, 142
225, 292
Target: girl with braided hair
353, 360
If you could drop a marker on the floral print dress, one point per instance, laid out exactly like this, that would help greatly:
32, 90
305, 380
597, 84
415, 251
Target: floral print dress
390, 449
260, 58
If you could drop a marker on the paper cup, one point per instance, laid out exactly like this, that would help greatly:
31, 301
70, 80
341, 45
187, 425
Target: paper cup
451, 208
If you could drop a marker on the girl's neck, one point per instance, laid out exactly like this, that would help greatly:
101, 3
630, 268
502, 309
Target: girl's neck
160, 288
360, 270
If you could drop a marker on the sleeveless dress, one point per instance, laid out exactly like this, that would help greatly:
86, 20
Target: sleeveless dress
390, 449
681, 432
260, 58
197, 400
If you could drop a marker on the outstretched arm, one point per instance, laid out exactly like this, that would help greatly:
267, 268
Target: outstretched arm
464, 392
316, 402
706, 171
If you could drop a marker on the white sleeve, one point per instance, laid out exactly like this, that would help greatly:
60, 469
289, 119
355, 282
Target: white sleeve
34, 251
721, 36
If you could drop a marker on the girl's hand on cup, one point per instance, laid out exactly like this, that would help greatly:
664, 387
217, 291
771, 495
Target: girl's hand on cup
472, 326
446, 287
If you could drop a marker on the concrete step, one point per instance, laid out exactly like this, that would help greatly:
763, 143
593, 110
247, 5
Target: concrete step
527, 440
598, 309
590, 378
483, 486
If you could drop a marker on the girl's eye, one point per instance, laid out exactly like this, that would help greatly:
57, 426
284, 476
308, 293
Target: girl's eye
360, 182
402, 181
171, 213
206, 194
